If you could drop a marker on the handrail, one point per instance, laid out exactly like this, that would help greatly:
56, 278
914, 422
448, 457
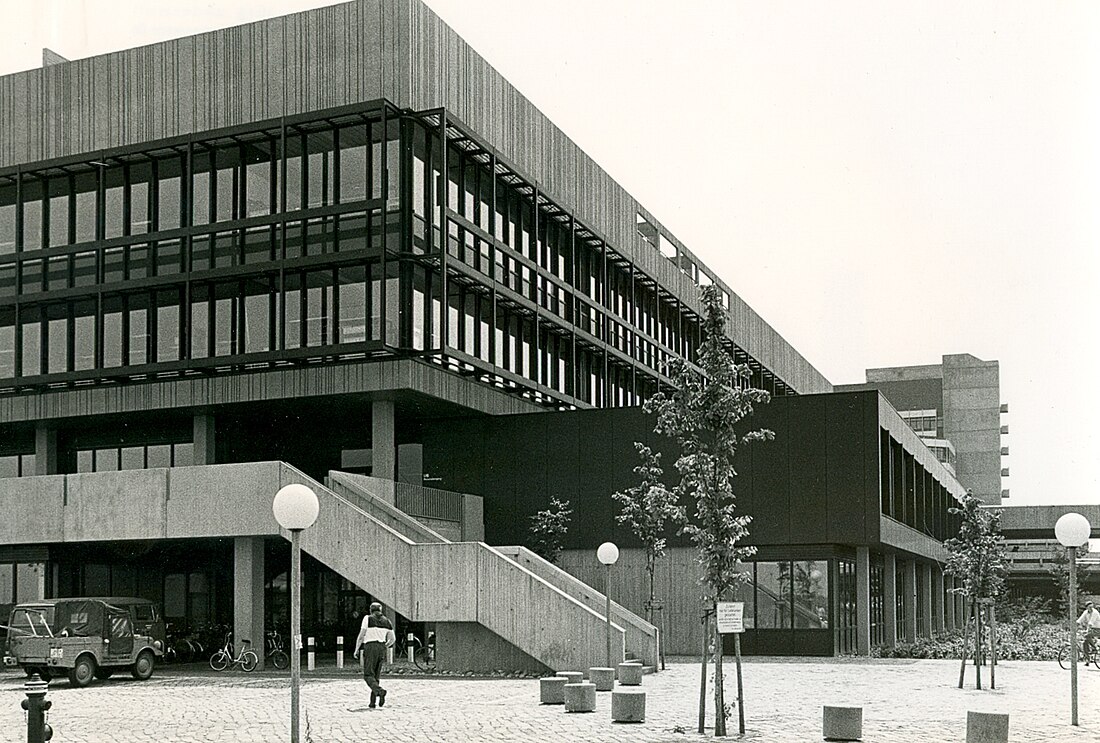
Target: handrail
397, 518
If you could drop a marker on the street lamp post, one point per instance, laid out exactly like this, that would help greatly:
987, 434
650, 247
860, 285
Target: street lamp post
607, 553
295, 509
1073, 530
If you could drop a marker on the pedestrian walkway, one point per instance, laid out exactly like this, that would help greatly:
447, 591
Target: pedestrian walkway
903, 702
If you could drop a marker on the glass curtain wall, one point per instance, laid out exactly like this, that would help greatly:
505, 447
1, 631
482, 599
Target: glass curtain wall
322, 239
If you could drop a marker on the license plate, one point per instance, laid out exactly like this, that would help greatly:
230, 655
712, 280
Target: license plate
9, 661
57, 652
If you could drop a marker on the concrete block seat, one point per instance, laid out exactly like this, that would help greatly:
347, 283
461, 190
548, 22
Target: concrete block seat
552, 689
842, 723
580, 697
603, 678
628, 705
630, 674
575, 677
986, 727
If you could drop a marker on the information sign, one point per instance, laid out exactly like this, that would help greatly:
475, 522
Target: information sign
731, 616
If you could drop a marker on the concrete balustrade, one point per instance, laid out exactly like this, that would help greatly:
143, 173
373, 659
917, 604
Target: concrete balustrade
842, 723
986, 727
552, 690
575, 677
628, 705
603, 678
580, 697
630, 674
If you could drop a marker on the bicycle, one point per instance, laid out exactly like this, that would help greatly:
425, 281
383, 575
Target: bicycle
223, 658
275, 653
423, 655
1085, 653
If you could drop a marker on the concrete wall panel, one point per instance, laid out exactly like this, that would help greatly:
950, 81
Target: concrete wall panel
32, 508
127, 505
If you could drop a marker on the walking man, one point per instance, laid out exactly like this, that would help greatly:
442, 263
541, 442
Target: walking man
374, 637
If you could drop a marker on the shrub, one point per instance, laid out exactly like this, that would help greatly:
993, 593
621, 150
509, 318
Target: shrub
1020, 638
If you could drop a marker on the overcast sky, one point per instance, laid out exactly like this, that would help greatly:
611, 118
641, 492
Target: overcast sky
884, 182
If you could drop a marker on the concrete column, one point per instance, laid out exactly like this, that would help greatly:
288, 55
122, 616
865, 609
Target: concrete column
46, 460
863, 601
910, 600
926, 600
383, 442
248, 594
203, 438
890, 600
938, 597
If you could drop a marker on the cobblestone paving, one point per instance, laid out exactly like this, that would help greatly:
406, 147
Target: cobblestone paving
903, 702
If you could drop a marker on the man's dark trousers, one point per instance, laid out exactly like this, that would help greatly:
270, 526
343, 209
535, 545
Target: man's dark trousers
373, 655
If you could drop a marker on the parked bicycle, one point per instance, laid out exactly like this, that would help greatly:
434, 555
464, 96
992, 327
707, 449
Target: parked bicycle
275, 653
1085, 654
423, 654
223, 658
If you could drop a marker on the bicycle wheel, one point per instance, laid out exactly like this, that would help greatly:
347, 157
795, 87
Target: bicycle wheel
425, 658
1063, 658
249, 661
219, 661
279, 659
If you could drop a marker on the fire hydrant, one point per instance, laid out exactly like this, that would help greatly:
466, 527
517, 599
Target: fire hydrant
36, 705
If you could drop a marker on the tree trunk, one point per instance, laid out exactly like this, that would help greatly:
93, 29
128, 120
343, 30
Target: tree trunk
703, 675
719, 699
992, 647
978, 644
965, 647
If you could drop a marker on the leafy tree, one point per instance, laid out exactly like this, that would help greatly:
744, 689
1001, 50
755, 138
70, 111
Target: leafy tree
646, 509
548, 529
976, 557
1059, 572
703, 413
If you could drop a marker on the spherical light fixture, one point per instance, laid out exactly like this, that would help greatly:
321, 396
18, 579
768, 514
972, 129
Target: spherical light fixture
295, 507
607, 553
1072, 530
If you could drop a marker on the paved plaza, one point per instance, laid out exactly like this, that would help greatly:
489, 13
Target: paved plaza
902, 701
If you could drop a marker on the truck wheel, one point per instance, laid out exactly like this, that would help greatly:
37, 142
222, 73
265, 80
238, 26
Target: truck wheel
143, 666
83, 672
103, 674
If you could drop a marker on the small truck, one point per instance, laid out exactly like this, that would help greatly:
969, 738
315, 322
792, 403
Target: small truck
83, 638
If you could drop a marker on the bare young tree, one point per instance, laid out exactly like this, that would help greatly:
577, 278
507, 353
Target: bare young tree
703, 413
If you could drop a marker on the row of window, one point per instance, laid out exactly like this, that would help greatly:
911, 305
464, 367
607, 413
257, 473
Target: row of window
229, 179
911, 494
787, 594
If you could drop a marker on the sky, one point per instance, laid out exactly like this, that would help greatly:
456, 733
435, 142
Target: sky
883, 182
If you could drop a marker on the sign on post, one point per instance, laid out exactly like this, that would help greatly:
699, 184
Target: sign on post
731, 617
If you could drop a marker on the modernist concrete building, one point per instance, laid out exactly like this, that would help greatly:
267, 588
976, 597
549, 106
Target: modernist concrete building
329, 243
956, 407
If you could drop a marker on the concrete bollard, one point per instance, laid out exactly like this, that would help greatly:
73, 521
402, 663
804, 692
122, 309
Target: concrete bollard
339, 651
580, 697
575, 677
311, 656
630, 674
986, 727
552, 690
603, 678
842, 723
628, 705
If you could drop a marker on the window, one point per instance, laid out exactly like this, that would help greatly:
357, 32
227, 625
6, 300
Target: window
138, 336
112, 331
353, 304
168, 325
773, 602
7, 342
7, 216
259, 178
811, 594
258, 301
84, 335
32, 215
59, 191
353, 163
169, 172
